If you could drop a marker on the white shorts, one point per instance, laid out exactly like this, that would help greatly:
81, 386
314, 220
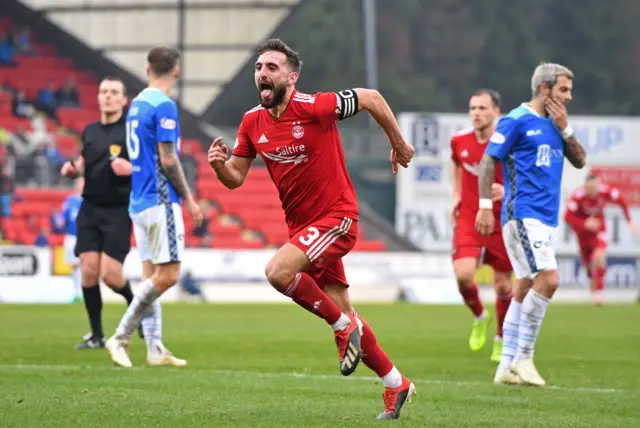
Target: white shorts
159, 233
69, 246
530, 246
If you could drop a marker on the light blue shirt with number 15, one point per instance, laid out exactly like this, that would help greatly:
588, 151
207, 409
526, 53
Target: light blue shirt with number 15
152, 119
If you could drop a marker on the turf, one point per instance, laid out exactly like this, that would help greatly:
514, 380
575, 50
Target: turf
276, 366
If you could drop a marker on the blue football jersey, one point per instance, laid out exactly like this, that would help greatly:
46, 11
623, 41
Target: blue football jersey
70, 210
152, 119
531, 150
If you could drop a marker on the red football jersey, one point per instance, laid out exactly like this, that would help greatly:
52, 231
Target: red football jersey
580, 207
467, 152
303, 153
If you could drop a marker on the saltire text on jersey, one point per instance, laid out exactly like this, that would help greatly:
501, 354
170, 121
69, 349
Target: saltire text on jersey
152, 119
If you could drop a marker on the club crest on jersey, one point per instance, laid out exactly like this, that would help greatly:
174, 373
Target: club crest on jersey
298, 130
114, 150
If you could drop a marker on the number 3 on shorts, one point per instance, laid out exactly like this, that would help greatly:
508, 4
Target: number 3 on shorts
311, 236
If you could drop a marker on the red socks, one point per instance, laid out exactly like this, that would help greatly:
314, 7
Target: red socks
598, 275
305, 292
502, 305
372, 354
472, 299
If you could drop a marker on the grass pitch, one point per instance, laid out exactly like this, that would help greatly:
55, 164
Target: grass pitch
276, 366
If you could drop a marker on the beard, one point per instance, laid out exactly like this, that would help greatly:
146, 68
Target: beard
277, 95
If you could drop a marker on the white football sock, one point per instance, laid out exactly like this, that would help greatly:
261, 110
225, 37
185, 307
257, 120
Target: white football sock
393, 379
510, 335
534, 307
152, 329
137, 310
76, 277
343, 322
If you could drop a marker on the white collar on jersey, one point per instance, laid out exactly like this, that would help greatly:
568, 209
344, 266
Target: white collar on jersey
528, 107
151, 89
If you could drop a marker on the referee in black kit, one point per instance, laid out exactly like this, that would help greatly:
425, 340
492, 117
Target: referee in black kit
103, 223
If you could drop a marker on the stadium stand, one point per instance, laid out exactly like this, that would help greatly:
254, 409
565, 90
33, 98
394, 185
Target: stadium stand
249, 217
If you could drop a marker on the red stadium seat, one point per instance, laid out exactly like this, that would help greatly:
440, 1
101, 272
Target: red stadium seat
56, 240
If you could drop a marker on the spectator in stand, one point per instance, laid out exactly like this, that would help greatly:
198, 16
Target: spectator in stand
6, 189
21, 106
47, 101
22, 147
53, 155
191, 286
41, 174
21, 40
42, 239
7, 51
8, 88
189, 166
55, 160
202, 231
68, 96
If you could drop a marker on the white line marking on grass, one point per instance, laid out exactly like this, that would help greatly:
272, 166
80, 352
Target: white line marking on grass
281, 375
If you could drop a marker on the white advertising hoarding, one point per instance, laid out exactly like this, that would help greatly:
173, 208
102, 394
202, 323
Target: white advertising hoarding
423, 196
429, 227
22, 260
362, 268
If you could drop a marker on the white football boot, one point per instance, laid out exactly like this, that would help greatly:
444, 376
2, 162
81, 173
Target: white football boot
527, 372
118, 351
164, 358
506, 377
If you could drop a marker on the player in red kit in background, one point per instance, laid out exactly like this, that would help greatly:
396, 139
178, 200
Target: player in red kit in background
585, 215
297, 137
469, 247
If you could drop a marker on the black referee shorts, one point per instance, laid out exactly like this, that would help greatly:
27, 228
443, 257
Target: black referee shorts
103, 229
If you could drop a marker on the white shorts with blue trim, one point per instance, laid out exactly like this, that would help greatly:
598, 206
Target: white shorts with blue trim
159, 233
69, 246
530, 246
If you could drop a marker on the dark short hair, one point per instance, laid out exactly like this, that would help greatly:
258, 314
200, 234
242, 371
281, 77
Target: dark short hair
162, 60
494, 95
591, 176
116, 79
293, 57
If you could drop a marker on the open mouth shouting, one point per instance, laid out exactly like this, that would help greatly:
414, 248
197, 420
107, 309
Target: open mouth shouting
266, 91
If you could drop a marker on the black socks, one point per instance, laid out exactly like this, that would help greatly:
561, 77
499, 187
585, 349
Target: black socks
93, 303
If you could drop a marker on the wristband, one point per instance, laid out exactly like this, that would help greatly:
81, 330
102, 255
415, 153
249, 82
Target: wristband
485, 204
568, 132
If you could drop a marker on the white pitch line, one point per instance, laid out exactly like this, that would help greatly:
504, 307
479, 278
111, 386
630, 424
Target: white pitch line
107, 367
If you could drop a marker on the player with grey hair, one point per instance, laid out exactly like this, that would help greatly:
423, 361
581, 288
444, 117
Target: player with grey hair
531, 142
548, 73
